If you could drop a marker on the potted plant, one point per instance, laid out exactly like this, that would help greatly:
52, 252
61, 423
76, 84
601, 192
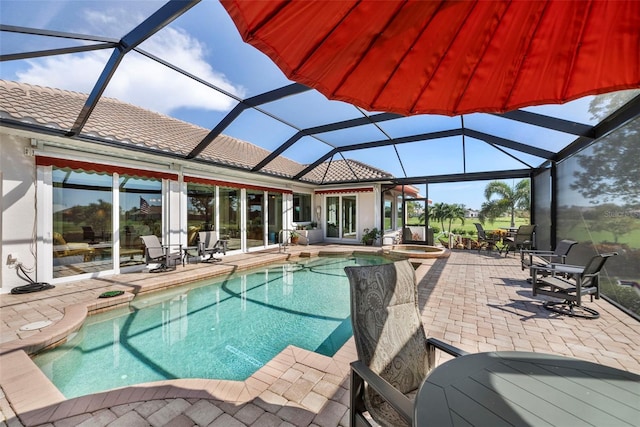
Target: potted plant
370, 235
294, 236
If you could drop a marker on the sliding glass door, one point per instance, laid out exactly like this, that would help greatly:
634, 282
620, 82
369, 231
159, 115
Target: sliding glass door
341, 217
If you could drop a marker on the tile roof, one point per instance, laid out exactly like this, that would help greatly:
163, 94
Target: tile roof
135, 126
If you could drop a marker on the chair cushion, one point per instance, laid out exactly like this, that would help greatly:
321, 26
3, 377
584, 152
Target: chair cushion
387, 327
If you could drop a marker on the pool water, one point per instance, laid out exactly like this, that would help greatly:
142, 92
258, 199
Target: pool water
220, 330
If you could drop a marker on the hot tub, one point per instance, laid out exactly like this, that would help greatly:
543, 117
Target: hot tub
418, 251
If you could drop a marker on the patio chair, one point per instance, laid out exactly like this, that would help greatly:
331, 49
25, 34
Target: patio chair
522, 240
539, 258
208, 245
585, 281
161, 254
394, 355
88, 234
484, 241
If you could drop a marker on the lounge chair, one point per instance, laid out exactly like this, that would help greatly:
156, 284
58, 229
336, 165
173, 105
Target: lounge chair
522, 240
209, 245
539, 258
585, 281
73, 252
394, 355
161, 254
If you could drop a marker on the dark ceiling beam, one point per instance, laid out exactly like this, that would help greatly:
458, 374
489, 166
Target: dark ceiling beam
626, 113
263, 98
315, 164
508, 143
491, 139
59, 34
150, 26
468, 176
52, 52
380, 143
282, 148
548, 122
330, 127
403, 140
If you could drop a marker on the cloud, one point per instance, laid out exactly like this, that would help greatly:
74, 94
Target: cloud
139, 80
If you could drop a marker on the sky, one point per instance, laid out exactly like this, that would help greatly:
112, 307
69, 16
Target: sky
205, 43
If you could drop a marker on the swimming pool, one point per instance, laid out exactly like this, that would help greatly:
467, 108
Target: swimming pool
225, 329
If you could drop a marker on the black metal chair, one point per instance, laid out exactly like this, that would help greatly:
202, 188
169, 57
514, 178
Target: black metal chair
585, 281
540, 258
88, 234
394, 355
484, 240
524, 239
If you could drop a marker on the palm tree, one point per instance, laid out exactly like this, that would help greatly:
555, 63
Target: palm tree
453, 212
444, 212
439, 213
511, 198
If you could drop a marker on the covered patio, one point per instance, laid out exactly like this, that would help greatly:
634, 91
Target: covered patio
477, 302
275, 135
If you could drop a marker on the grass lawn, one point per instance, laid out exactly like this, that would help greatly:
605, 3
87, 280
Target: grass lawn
468, 224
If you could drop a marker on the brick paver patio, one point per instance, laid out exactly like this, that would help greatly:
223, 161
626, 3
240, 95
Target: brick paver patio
478, 302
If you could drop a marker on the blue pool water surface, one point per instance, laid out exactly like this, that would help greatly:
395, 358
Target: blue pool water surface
219, 330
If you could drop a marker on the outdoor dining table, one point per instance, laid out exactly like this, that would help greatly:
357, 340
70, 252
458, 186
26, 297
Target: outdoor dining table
511, 230
527, 389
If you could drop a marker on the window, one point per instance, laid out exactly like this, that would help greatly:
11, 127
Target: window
140, 215
82, 206
275, 216
230, 216
201, 210
255, 218
301, 207
388, 213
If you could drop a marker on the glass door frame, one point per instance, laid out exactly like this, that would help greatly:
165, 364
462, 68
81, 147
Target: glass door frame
338, 216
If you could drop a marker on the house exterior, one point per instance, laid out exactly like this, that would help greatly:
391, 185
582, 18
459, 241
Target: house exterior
471, 213
75, 207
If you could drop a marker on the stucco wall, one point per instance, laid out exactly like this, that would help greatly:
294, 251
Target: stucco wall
367, 212
18, 210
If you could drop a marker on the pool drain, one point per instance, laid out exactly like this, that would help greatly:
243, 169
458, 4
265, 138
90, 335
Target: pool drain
36, 325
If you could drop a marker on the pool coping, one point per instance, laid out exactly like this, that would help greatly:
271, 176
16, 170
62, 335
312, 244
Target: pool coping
38, 401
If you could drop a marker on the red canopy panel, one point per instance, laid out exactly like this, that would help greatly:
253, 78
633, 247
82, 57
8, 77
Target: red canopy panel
448, 57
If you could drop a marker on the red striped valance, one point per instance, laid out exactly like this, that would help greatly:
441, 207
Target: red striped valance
101, 168
206, 181
346, 190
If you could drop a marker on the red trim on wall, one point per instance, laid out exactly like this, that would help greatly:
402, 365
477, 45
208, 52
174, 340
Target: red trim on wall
346, 190
206, 181
101, 168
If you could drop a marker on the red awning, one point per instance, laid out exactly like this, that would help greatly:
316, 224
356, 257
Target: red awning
90, 167
448, 57
346, 190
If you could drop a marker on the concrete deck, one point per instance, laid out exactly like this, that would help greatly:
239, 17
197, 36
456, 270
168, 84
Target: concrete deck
478, 302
